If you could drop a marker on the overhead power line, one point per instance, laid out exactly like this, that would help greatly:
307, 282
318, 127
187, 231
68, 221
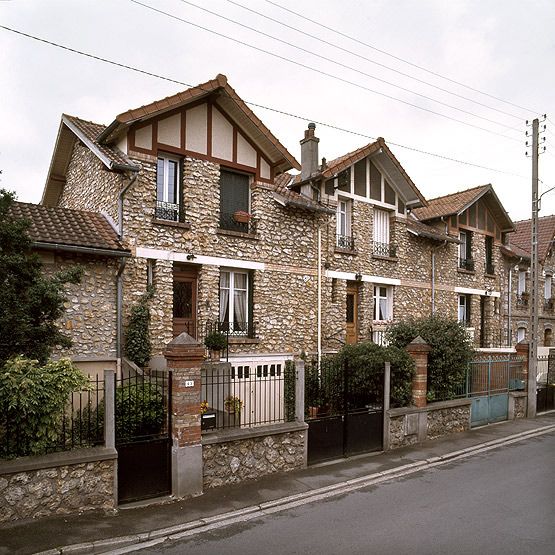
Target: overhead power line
398, 58
321, 72
305, 33
257, 105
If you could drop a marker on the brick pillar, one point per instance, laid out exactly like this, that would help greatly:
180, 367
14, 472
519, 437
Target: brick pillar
184, 356
418, 349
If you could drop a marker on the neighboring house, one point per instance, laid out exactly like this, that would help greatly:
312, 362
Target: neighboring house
474, 268
64, 237
517, 259
190, 182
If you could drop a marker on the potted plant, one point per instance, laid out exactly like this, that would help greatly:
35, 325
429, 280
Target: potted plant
233, 404
242, 217
215, 342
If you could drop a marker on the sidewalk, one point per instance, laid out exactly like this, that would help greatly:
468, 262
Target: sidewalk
133, 524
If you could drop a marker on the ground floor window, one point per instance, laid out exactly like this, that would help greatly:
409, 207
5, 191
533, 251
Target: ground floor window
383, 303
520, 334
234, 301
464, 310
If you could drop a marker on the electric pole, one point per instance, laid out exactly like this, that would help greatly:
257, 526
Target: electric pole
533, 344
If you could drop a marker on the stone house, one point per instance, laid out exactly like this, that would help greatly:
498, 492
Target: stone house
191, 184
64, 237
517, 258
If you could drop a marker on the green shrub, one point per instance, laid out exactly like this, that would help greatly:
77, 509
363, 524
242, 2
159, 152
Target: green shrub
449, 358
289, 385
215, 341
137, 341
33, 401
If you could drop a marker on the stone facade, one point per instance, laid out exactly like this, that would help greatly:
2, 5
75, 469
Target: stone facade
89, 319
234, 461
443, 422
55, 489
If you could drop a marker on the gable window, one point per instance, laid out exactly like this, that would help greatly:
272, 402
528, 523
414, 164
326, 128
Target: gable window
168, 190
490, 268
235, 303
383, 303
344, 238
235, 201
464, 310
381, 244
465, 251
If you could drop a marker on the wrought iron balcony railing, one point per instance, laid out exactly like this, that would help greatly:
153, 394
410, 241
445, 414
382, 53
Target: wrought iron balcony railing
233, 329
522, 299
548, 305
466, 264
345, 242
169, 211
384, 249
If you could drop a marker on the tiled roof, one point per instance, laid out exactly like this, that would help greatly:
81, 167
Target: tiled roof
281, 188
522, 237
90, 131
67, 227
424, 230
453, 203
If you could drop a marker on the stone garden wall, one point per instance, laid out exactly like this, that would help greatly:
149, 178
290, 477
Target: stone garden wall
235, 456
57, 484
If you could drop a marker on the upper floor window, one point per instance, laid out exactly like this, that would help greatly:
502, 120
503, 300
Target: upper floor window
344, 238
490, 268
235, 201
548, 287
383, 302
381, 229
168, 190
465, 251
520, 334
235, 305
521, 287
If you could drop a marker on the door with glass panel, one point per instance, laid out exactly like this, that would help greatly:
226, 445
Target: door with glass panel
185, 301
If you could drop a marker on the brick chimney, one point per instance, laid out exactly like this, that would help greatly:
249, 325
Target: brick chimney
309, 152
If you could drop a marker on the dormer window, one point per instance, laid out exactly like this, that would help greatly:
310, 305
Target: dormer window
168, 205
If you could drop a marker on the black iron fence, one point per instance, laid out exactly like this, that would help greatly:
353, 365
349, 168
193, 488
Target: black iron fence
247, 395
466, 264
79, 424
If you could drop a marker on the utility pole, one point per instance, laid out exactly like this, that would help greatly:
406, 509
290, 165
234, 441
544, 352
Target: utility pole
533, 344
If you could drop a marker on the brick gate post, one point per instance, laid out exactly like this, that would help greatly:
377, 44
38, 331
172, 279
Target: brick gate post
184, 356
418, 349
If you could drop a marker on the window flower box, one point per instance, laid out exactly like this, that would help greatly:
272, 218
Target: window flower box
241, 217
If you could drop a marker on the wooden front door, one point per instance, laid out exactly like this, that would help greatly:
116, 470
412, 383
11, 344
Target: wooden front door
185, 302
351, 316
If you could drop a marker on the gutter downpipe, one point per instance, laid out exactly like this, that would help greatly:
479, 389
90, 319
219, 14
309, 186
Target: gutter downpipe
319, 324
119, 279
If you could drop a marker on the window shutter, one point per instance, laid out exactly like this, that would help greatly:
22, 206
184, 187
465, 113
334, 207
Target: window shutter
381, 226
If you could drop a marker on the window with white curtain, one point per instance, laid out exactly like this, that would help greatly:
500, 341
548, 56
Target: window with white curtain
464, 309
521, 282
520, 334
383, 302
344, 239
234, 295
547, 288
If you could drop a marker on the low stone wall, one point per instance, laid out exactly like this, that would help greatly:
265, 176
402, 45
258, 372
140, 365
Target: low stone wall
411, 425
59, 483
235, 455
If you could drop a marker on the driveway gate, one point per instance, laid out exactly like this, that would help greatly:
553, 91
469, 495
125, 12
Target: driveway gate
143, 436
345, 410
545, 399
489, 381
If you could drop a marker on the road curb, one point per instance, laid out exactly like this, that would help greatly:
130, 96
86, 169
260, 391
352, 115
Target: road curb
134, 542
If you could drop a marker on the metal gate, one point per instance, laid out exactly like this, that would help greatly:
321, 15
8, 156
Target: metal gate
344, 410
143, 436
489, 381
545, 398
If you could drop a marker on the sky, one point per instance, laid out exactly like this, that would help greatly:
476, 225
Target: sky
494, 60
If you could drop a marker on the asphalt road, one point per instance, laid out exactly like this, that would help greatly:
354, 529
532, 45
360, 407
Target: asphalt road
501, 501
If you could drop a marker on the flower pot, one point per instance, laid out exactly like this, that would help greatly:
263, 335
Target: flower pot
241, 217
215, 355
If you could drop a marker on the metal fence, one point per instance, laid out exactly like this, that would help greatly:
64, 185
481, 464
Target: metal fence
79, 424
247, 395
